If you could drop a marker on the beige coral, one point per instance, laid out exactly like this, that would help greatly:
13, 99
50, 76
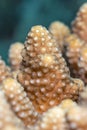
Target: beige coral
83, 97
15, 55
73, 47
77, 118
79, 25
5, 71
67, 104
8, 120
82, 64
44, 73
53, 119
59, 31
19, 101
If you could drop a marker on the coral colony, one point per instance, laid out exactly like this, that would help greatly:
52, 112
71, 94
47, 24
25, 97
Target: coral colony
44, 88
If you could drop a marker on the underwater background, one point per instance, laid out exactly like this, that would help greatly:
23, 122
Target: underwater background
17, 17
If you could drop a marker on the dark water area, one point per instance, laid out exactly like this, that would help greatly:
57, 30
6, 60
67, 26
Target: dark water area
17, 17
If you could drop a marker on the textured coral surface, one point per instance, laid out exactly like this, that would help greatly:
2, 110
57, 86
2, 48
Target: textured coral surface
15, 55
43, 88
59, 31
79, 25
44, 73
4, 70
19, 101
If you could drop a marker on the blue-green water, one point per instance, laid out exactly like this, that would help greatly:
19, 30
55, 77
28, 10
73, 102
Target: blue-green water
17, 17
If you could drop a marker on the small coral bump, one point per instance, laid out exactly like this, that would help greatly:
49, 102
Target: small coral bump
15, 55
44, 73
79, 25
19, 101
67, 104
59, 31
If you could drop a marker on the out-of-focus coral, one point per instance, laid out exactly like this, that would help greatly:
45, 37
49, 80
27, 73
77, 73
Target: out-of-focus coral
73, 46
4, 70
82, 64
67, 104
8, 120
83, 97
77, 118
59, 31
19, 101
44, 73
53, 119
14, 74
79, 25
15, 55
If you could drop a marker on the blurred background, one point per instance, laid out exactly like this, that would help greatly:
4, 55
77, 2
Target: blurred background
17, 17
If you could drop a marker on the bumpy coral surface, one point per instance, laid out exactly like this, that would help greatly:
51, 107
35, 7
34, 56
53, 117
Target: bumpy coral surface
73, 46
53, 119
19, 101
59, 31
4, 70
79, 25
37, 92
82, 64
44, 73
83, 97
77, 118
8, 120
15, 55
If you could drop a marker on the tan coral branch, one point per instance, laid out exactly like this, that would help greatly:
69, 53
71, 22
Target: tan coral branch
44, 73
19, 101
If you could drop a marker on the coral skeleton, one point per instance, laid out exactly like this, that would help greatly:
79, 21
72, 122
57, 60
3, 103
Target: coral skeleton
44, 73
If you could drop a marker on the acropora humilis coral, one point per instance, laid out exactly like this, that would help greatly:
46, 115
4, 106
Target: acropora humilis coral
45, 85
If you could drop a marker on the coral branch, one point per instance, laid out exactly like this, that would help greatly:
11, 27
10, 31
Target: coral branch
73, 46
4, 70
19, 101
8, 121
79, 25
53, 119
15, 55
59, 31
44, 73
